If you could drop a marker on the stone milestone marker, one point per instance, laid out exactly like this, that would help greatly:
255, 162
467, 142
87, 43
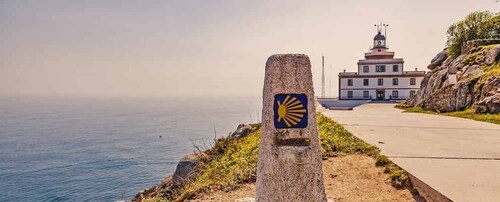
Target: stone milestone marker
289, 167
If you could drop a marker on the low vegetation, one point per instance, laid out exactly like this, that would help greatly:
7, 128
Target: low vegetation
478, 56
477, 25
336, 140
490, 71
229, 163
468, 114
232, 162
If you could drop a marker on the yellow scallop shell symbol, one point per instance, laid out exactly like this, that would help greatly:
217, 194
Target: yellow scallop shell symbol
291, 111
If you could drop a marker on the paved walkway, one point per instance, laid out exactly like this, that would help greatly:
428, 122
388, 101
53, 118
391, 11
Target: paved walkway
460, 158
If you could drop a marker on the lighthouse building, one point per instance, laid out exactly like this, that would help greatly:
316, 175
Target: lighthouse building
379, 76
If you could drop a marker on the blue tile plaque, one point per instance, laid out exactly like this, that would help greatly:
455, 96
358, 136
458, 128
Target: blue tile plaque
290, 111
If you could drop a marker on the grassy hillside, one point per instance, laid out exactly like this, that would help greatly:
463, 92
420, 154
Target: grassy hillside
468, 114
233, 162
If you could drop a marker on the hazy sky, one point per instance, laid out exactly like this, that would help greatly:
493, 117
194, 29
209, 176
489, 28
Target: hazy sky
180, 48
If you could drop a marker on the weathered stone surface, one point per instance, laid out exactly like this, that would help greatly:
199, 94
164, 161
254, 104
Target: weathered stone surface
492, 56
438, 80
471, 71
242, 130
185, 167
438, 60
489, 104
452, 70
439, 91
450, 98
489, 100
447, 62
470, 46
289, 173
457, 62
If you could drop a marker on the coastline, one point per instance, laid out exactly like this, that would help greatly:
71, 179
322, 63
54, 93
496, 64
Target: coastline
228, 169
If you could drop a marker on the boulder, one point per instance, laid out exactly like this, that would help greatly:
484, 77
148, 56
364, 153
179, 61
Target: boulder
471, 71
453, 85
447, 62
489, 104
457, 62
489, 100
186, 166
438, 60
472, 45
242, 130
492, 56
451, 98
452, 70
438, 79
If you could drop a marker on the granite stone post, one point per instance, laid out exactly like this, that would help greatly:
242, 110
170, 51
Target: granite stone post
289, 167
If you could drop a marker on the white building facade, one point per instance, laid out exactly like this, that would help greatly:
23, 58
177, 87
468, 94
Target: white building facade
380, 76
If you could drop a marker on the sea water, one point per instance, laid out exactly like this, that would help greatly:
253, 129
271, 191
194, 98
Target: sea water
105, 149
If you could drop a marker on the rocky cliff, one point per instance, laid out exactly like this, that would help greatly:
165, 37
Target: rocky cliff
471, 80
191, 165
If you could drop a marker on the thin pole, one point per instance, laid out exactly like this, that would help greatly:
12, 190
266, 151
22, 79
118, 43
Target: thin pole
323, 76
330, 92
385, 34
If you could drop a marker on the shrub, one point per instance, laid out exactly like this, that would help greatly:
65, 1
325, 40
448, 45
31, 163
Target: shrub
477, 25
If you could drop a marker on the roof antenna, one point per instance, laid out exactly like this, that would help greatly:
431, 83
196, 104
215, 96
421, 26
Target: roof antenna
323, 76
385, 33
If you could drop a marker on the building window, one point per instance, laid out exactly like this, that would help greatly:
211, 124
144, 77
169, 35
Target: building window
366, 94
395, 94
380, 82
349, 82
366, 69
412, 93
380, 68
395, 68
366, 82
413, 81
349, 94
395, 81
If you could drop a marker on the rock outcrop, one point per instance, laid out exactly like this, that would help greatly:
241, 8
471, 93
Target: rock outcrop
187, 168
242, 130
477, 86
438, 60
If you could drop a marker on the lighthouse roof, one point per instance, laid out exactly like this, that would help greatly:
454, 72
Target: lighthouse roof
379, 36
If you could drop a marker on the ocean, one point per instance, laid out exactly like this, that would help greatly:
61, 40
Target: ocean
105, 149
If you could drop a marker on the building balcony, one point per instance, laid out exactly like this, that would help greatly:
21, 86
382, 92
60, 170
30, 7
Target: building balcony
379, 55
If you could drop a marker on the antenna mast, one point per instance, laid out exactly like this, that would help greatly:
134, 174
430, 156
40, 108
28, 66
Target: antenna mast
323, 76
385, 33
330, 88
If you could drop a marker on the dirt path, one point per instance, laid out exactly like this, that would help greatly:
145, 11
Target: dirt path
347, 178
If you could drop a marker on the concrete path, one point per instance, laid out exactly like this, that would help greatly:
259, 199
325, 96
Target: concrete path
460, 158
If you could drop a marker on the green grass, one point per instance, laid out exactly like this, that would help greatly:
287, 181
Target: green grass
236, 164
232, 162
335, 140
468, 114
478, 56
